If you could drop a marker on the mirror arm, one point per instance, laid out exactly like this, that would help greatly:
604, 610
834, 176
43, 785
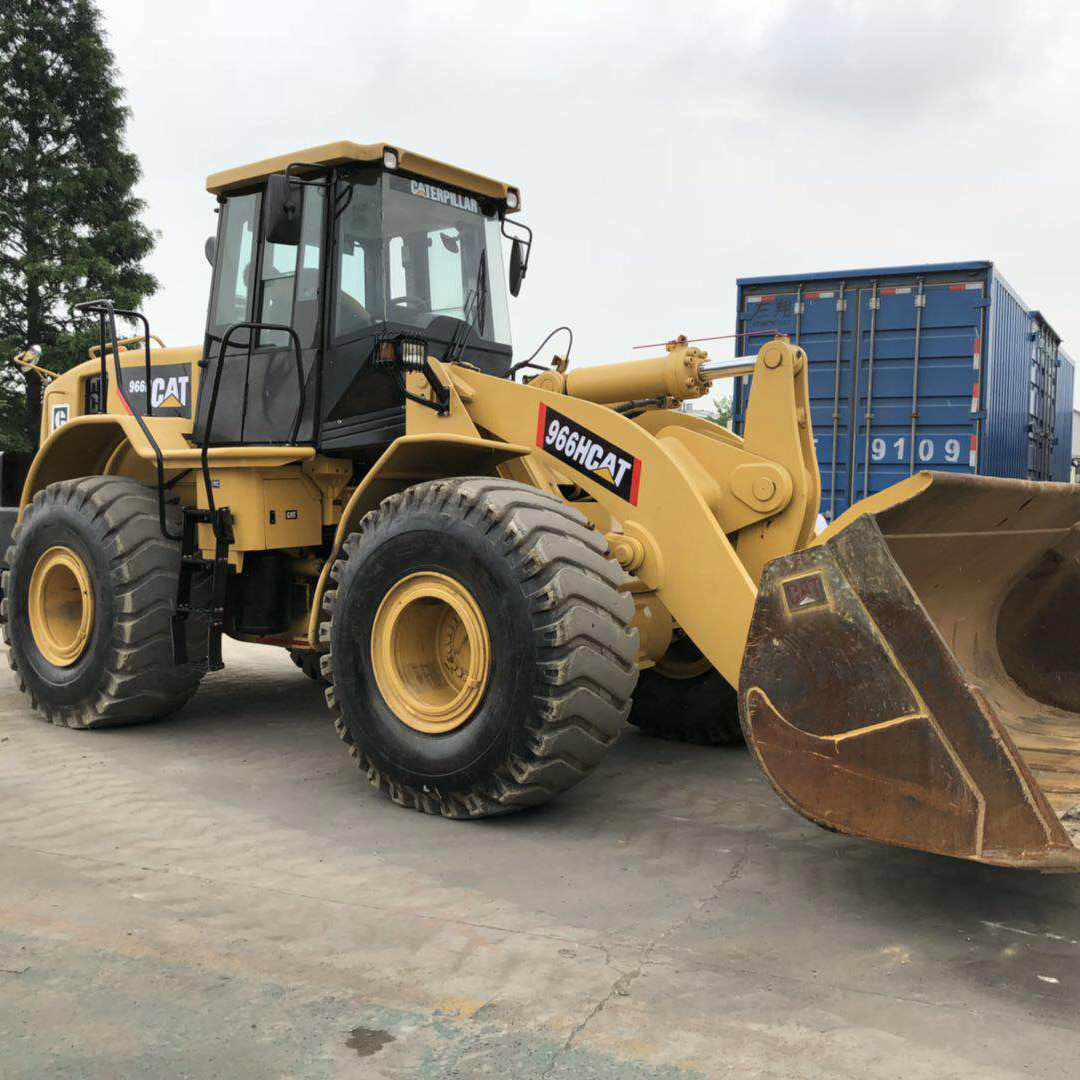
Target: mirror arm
527, 241
326, 170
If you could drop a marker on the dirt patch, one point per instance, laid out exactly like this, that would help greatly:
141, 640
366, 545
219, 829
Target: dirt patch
367, 1041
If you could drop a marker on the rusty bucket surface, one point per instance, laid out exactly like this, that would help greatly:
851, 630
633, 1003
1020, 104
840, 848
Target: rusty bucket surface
914, 678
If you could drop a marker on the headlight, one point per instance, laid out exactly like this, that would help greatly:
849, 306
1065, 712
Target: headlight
511, 200
390, 158
403, 351
413, 354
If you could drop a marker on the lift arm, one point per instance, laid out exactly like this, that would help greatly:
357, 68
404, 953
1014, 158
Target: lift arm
669, 488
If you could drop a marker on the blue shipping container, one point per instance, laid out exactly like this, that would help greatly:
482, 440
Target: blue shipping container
915, 367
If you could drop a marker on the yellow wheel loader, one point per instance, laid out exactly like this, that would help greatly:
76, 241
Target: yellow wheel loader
480, 557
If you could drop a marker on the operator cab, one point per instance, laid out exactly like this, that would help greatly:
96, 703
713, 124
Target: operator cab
342, 248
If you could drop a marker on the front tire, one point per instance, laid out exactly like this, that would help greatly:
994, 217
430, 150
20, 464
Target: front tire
88, 599
480, 653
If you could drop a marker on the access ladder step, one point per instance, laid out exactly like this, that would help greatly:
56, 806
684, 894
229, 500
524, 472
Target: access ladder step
192, 561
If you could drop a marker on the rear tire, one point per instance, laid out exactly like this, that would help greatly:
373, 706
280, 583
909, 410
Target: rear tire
549, 655
307, 662
684, 699
117, 666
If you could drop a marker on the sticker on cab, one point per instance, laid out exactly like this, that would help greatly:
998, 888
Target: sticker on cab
589, 454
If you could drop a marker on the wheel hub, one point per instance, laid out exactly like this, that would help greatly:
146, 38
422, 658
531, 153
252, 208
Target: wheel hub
431, 652
61, 606
683, 660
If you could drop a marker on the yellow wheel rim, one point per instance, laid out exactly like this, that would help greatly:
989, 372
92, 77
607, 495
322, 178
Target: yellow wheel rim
61, 606
431, 652
683, 660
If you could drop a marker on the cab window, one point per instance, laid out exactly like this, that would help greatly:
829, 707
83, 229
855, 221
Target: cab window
447, 272
359, 264
232, 299
289, 280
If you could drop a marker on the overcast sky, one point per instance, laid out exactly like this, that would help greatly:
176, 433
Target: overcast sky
663, 149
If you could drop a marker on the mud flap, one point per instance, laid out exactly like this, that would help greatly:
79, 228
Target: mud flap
915, 678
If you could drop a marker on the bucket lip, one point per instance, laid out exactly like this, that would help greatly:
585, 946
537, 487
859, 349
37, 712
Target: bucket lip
947, 485
872, 505
1062, 860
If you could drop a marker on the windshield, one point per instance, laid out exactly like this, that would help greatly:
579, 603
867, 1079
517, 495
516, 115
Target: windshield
412, 252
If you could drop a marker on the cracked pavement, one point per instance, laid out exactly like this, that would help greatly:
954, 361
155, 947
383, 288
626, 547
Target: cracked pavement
222, 894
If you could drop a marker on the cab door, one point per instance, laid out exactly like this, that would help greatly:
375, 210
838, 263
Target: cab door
259, 391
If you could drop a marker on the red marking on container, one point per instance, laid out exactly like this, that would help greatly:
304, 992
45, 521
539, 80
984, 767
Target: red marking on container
975, 398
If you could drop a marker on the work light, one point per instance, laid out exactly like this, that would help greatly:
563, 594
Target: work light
408, 352
413, 353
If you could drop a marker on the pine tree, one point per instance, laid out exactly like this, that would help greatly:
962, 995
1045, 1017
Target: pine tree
70, 225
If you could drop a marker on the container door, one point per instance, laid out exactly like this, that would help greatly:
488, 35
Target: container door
917, 397
821, 321
1063, 420
1042, 401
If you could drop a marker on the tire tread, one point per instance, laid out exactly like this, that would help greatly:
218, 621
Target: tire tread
581, 619
139, 681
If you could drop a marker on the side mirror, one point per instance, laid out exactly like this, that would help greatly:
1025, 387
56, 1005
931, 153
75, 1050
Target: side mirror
281, 210
210, 249
517, 266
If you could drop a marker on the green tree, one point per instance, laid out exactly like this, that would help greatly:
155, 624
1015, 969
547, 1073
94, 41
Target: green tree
70, 225
722, 413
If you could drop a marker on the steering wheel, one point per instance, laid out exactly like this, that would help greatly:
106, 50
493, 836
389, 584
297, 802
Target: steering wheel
355, 308
409, 303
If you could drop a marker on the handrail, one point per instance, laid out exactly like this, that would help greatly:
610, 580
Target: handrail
124, 343
251, 327
106, 310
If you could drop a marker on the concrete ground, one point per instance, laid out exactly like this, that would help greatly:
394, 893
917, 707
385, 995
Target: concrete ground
221, 894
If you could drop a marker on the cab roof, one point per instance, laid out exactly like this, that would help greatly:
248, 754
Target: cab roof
344, 152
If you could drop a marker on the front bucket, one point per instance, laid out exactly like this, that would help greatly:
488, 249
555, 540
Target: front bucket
915, 677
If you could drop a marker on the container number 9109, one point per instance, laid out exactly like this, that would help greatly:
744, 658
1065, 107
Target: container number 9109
926, 449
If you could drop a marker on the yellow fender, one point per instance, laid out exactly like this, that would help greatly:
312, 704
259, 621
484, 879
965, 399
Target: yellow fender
81, 447
409, 460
